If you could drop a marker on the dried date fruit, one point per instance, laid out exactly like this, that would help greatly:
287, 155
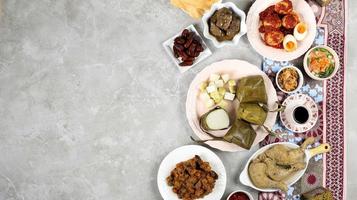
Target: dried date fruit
187, 47
186, 63
197, 53
185, 33
188, 42
179, 47
183, 55
199, 48
176, 53
180, 40
189, 59
192, 49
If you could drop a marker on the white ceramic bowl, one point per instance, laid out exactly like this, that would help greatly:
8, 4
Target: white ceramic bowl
335, 56
245, 192
301, 79
236, 10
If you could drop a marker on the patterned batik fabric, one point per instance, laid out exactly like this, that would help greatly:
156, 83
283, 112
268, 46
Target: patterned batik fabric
329, 96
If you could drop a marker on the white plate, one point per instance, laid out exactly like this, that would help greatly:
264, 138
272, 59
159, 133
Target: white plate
168, 44
236, 69
291, 103
254, 37
236, 10
185, 153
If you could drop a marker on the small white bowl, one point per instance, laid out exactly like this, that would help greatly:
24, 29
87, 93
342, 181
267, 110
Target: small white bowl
335, 56
168, 44
236, 10
301, 79
245, 192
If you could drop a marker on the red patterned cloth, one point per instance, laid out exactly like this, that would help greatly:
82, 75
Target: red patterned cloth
328, 171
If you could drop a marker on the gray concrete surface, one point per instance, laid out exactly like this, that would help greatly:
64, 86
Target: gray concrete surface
90, 103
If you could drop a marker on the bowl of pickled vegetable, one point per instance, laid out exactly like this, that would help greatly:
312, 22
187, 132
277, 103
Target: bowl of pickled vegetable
321, 62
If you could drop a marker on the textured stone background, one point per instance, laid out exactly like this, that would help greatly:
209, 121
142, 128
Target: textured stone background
90, 103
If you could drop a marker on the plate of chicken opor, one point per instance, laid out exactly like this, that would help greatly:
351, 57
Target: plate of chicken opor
281, 30
276, 166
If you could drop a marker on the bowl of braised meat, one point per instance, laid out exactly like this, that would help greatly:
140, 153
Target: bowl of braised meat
224, 24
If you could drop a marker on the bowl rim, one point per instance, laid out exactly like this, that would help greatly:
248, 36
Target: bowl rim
239, 190
335, 56
301, 79
236, 10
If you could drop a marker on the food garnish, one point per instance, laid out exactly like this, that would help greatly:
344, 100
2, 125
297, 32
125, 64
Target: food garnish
224, 24
192, 179
288, 79
215, 119
276, 165
187, 47
280, 26
321, 62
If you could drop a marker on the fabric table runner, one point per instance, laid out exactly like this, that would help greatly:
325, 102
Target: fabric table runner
327, 170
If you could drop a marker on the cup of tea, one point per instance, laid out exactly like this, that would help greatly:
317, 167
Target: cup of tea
300, 114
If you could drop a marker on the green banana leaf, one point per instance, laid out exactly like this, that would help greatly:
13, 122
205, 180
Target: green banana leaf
252, 110
252, 113
241, 133
251, 89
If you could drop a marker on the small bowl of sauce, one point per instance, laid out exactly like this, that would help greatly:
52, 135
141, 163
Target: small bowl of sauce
240, 195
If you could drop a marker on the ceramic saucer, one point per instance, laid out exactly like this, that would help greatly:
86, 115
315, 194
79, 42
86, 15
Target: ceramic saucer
287, 116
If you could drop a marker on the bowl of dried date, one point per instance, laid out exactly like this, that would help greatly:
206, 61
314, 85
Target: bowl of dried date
186, 48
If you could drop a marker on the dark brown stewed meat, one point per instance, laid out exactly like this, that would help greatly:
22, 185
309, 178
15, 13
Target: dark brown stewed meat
224, 24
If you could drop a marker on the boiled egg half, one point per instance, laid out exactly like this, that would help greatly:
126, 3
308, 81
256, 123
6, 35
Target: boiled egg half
300, 31
289, 43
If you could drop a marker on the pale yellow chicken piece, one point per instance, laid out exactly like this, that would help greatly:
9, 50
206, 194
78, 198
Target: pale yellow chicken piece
280, 173
283, 155
257, 173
